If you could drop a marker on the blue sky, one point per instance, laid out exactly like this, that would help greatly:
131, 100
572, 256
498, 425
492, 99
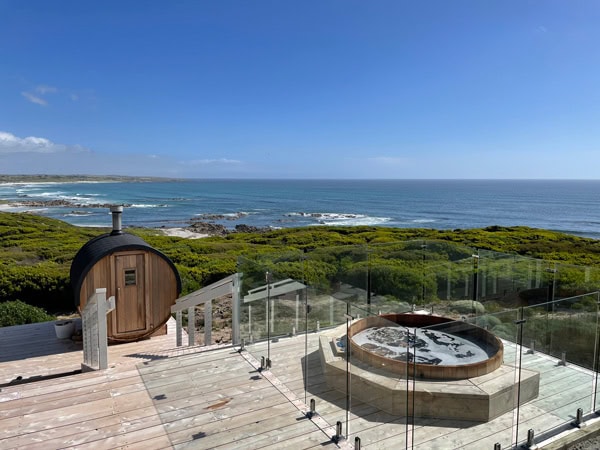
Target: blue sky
301, 89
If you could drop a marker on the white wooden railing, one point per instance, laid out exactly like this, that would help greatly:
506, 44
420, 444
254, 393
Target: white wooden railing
205, 296
93, 322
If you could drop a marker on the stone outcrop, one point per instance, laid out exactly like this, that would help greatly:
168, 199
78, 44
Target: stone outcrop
215, 229
211, 229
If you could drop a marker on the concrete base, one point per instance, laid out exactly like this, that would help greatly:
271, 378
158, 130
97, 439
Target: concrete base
479, 399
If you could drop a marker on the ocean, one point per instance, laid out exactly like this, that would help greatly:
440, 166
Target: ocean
570, 206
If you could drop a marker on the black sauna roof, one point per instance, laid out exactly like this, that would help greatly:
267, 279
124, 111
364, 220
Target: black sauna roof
97, 248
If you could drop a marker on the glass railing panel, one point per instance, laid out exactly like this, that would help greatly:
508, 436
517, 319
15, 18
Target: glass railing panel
468, 381
451, 286
398, 279
271, 295
571, 280
442, 283
324, 367
294, 305
340, 271
591, 279
541, 285
286, 309
379, 402
446, 251
560, 347
503, 279
253, 311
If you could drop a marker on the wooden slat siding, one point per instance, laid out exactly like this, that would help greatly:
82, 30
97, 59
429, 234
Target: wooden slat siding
148, 288
162, 288
99, 276
159, 281
129, 318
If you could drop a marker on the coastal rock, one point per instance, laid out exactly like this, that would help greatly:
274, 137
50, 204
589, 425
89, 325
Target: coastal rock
243, 228
211, 229
234, 216
214, 229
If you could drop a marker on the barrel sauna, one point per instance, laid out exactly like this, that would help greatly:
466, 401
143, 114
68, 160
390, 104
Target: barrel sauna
144, 281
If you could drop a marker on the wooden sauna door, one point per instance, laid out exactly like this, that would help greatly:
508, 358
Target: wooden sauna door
131, 303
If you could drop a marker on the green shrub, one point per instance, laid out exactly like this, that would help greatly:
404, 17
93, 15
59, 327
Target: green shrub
488, 321
506, 331
18, 313
467, 307
409, 264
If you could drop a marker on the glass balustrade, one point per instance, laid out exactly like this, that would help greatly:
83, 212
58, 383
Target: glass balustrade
424, 344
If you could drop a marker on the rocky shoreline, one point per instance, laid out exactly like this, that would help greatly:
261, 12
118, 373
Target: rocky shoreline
43, 178
60, 203
215, 229
203, 224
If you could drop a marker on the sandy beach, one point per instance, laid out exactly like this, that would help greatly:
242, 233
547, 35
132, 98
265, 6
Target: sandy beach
183, 233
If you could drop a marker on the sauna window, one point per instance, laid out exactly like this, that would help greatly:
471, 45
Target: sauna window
130, 278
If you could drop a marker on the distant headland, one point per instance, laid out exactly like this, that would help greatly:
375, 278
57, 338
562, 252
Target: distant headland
40, 178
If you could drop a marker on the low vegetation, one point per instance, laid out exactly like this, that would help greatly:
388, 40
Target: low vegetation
36, 254
19, 313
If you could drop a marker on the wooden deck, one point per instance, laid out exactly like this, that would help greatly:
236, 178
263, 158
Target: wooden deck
33, 351
562, 391
154, 396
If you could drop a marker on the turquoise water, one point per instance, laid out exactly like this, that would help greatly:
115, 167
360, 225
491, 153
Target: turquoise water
568, 206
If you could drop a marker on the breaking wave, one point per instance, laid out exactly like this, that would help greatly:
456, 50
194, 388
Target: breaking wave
340, 219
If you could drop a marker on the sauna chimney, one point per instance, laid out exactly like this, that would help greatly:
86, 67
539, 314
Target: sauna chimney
116, 219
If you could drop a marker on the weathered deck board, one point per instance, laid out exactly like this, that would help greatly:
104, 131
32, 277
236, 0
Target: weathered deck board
566, 386
156, 396
44, 354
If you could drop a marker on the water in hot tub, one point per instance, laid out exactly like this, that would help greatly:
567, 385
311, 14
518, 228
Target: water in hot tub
426, 345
